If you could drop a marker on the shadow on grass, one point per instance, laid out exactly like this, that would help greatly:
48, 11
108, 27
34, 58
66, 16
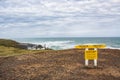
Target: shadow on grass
92, 67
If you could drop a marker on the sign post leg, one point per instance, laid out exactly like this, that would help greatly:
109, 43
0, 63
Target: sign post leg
86, 62
95, 62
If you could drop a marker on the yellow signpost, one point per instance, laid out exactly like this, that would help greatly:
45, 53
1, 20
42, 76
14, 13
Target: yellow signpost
90, 46
91, 54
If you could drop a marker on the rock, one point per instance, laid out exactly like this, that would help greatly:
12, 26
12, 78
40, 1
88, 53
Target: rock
12, 43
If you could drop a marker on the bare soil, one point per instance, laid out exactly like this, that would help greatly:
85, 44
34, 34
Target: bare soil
60, 65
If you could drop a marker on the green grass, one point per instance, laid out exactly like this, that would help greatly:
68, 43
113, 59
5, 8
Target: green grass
8, 43
10, 48
11, 51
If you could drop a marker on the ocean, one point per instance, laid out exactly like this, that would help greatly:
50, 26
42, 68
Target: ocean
61, 43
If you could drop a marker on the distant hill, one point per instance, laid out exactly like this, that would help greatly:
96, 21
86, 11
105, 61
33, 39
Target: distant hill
12, 43
9, 43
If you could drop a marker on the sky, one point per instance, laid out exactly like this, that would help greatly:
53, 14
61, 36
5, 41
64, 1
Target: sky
59, 18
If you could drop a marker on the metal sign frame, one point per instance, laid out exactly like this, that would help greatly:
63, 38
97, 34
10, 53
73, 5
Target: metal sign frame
91, 54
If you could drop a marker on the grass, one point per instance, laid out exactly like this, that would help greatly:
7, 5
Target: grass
11, 51
10, 48
8, 43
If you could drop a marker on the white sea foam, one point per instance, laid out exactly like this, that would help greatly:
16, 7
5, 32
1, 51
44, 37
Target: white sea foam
67, 43
109, 47
57, 44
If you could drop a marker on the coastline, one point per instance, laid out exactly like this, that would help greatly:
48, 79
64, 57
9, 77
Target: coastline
59, 43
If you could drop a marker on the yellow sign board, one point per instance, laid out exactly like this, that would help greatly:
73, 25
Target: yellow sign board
90, 46
91, 54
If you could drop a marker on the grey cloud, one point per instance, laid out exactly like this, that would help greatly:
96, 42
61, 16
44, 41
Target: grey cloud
59, 18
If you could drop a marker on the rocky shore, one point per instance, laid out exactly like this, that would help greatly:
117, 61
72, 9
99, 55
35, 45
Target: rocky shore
60, 65
27, 46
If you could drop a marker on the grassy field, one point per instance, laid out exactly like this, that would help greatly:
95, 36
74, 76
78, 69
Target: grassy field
11, 51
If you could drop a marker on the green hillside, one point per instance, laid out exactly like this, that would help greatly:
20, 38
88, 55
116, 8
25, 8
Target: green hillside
8, 43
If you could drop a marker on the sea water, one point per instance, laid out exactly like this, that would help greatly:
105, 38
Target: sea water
70, 42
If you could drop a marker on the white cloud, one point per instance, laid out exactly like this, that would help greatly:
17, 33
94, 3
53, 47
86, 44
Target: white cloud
59, 17
116, 1
48, 6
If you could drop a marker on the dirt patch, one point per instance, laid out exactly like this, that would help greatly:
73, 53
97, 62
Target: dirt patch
60, 65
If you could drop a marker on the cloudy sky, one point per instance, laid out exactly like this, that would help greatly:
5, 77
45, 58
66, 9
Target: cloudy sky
59, 18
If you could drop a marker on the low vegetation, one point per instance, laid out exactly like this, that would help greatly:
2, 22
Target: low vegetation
11, 51
12, 48
8, 43
60, 65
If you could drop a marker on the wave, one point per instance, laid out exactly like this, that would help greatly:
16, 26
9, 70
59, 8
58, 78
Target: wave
109, 47
68, 44
57, 45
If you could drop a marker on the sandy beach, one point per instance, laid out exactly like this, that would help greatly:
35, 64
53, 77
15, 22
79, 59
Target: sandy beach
60, 65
